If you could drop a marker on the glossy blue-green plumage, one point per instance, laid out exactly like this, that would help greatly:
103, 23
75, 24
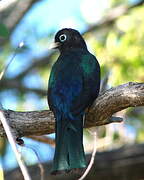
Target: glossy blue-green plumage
73, 86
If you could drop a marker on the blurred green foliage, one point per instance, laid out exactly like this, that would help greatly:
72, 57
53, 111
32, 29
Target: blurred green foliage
3, 144
4, 32
121, 51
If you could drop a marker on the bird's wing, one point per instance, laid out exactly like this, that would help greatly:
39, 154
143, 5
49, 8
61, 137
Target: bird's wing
65, 83
90, 71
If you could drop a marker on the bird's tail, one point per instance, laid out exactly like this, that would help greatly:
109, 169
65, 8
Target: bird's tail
69, 152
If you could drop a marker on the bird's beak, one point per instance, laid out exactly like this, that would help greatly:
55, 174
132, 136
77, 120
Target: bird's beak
54, 45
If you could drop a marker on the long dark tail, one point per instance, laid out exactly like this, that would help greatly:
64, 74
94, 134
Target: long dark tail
69, 152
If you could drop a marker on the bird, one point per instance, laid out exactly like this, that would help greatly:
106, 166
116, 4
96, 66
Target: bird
73, 86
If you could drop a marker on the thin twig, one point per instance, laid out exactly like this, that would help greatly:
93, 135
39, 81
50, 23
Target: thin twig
39, 161
14, 55
92, 157
7, 127
13, 145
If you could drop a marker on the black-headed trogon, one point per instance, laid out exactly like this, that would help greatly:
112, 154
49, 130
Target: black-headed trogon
73, 86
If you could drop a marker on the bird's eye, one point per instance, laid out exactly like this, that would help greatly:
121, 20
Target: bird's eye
62, 37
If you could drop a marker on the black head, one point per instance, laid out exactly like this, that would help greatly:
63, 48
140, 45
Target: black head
66, 39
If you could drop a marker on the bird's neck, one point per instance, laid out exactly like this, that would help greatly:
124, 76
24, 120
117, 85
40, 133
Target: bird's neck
73, 48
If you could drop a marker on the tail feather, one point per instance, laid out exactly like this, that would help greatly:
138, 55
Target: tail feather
69, 152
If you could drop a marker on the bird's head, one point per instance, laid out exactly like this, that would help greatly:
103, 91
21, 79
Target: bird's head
67, 38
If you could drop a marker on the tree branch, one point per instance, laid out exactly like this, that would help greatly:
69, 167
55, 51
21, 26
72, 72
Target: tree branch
15, 84
12, 14
114, 100
43, 139
108, 103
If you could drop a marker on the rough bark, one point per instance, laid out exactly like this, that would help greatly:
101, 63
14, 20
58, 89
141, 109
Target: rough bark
126, 163
108, 103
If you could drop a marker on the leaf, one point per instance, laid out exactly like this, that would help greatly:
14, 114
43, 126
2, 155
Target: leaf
4, 32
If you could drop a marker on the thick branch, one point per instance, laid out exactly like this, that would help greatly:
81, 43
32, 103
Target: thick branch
108, 103
114, 100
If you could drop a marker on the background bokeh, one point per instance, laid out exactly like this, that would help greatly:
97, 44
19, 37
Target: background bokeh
114, 32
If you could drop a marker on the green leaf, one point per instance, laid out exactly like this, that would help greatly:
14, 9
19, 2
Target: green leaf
4, 32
